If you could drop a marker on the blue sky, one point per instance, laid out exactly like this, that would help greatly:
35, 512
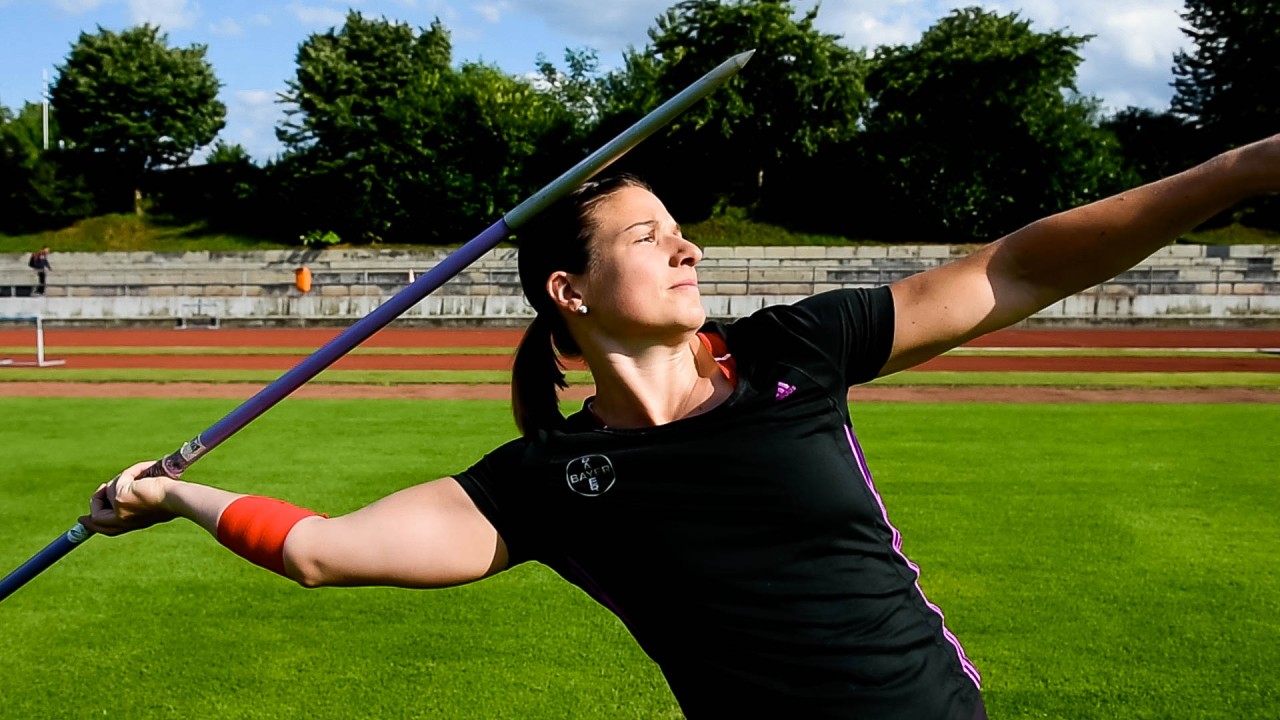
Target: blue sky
251, 45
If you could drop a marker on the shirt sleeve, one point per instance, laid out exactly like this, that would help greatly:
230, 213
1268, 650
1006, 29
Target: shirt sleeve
843, 335
495, 486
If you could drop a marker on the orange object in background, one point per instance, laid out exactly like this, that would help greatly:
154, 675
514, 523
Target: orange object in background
302, 278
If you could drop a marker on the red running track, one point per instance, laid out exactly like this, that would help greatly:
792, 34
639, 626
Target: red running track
430, 337
503, 362
314, 337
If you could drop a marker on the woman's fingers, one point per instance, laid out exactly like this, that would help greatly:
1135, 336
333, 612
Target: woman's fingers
101, 518
110, 492
118, 506
136, 469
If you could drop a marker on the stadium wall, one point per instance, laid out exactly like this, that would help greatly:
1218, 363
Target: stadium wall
1179, 285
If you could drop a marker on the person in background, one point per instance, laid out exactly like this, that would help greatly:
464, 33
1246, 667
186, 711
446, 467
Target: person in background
40, 263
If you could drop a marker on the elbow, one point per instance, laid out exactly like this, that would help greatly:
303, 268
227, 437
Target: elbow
306, 571
310, 582
304, 561
1026, 282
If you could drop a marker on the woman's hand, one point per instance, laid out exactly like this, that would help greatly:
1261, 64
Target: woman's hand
129, 502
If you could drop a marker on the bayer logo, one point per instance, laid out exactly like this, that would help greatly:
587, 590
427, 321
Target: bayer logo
590, 475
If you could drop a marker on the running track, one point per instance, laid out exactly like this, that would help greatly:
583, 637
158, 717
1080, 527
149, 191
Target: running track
310, 338
397, 337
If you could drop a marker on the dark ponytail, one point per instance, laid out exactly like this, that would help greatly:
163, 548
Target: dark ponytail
536, 380
557, 239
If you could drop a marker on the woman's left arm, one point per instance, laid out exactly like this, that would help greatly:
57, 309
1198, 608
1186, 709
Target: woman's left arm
1058, 256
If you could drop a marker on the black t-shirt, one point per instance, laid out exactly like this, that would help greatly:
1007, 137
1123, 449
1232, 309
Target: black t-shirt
746, 548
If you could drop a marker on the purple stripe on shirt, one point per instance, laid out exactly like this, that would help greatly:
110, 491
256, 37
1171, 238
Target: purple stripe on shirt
965, 663
594, 590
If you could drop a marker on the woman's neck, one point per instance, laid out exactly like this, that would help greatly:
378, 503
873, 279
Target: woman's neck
654, 385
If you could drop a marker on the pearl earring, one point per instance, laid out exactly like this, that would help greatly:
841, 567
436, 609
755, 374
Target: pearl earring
582, 310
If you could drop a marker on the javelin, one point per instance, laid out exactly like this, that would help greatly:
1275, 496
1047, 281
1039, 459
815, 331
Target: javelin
174, 464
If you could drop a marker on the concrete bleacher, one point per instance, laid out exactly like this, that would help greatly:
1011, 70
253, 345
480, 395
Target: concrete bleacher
1178, 284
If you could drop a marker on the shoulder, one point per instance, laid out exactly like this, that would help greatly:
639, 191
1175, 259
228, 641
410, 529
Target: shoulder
849, 331
859, 309
493, 477
509, 454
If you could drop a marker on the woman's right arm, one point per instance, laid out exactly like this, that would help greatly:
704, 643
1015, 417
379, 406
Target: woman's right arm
426, 536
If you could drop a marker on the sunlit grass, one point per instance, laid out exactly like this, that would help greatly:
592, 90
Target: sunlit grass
1096, 561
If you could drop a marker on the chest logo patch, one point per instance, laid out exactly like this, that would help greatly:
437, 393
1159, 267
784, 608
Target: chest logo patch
590, 475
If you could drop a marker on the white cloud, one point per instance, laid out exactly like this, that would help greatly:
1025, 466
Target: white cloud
1127, 62
168, 14
256, 98
260, 19
872, 24
489, 13
226, 27
1146, 37
77, 7
605, 25
252, 116
315, 16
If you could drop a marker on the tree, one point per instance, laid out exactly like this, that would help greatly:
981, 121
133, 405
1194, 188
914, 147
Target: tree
1155, 144
1226, 87
223, 193
387, 142
135, 104
977, 129
579, 89
804, 92
38, 188
366, 118
224, 154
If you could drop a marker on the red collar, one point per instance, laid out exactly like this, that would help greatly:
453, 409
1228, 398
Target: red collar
720, 351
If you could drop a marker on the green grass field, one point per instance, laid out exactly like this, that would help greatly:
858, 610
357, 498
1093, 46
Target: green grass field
124, 232
1097, 561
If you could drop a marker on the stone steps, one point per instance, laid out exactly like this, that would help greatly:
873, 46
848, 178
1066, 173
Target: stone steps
1177, 281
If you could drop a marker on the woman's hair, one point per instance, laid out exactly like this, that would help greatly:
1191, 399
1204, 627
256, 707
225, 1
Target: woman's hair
556, 239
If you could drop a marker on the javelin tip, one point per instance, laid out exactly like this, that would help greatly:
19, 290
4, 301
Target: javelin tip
741, 58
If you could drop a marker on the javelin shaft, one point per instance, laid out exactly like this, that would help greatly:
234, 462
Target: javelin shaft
174, 464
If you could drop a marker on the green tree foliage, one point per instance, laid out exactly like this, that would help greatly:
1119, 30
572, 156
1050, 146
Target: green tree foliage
516, 140
579, 88
225, 192
1156, 144
1227, 86
801, 92
131, 104
387, 142
37, 188
224, 154
978, 129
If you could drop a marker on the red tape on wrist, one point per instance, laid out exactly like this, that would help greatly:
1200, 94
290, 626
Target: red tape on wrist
255, 528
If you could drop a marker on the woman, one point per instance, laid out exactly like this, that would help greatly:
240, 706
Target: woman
712, 494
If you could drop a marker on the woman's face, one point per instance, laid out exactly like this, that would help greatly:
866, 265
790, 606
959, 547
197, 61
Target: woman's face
641, 282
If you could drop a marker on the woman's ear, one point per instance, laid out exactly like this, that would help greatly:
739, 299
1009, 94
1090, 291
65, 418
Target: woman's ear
563, 292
